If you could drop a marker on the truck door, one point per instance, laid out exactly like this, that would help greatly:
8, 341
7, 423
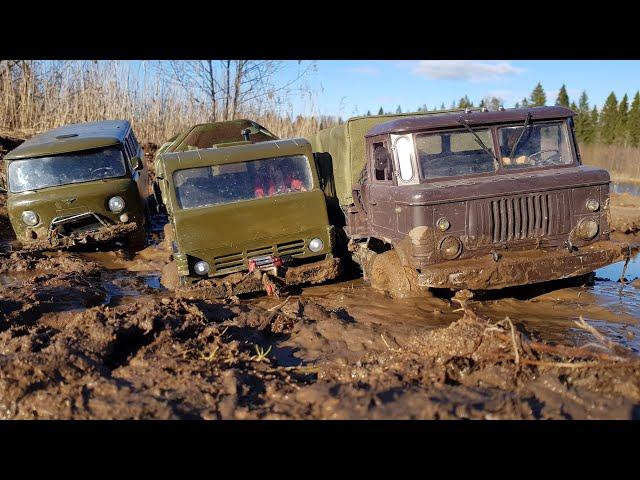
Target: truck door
380, 197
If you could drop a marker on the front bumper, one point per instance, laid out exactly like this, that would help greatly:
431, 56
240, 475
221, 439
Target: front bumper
104, 234
256, 281
521, 268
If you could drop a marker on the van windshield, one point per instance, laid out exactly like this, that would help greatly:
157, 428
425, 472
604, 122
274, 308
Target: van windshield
235, 182
68, 168
456, 153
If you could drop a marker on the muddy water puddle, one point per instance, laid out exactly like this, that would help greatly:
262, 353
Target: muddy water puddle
631, 188
550, 312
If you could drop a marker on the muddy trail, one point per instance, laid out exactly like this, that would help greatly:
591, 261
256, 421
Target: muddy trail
93, 334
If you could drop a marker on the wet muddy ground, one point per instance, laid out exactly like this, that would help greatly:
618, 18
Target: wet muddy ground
93, 334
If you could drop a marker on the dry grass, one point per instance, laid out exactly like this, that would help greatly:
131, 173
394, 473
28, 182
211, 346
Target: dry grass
623, 163
37, 96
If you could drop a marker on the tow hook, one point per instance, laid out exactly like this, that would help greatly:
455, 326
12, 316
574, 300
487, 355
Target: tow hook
495, 255
569, 246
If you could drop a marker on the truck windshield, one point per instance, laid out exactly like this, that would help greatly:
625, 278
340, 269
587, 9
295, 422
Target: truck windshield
235, 182
76, 167
537, 145
455, 153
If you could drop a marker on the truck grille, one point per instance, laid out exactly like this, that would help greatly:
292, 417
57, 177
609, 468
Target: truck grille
236, 261
519, 217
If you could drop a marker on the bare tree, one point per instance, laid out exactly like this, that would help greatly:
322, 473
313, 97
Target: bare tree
230, 87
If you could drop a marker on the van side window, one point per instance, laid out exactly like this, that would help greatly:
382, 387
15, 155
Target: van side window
381, 162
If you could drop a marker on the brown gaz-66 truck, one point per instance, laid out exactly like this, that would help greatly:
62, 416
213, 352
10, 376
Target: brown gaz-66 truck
467, 199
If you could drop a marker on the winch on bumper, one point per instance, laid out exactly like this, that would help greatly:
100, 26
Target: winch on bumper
514, 268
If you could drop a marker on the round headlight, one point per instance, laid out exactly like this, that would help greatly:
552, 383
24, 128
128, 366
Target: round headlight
593, 205
201, 268
450, 247
30, 218
116, 204
315, 245
587, 229
443, 224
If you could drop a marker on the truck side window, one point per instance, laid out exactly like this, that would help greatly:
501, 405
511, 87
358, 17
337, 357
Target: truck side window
382, 162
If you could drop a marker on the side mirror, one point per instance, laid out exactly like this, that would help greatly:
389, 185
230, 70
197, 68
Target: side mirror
137, 164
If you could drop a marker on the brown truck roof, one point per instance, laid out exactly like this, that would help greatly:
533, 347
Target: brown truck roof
448, 119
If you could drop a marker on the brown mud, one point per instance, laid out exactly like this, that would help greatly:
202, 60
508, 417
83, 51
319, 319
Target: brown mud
625, 213
94, 334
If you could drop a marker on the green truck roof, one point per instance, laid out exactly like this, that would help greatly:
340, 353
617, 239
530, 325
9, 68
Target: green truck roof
72, 138
345, 143
172, 161
207, 135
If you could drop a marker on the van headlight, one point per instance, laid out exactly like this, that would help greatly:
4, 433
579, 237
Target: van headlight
116, 204
587, 229
201, 268
315, 245
30, 218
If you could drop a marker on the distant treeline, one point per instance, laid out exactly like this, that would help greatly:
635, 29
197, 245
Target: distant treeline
617, 123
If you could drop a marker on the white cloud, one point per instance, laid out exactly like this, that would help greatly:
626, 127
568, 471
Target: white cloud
472, 70
364, 70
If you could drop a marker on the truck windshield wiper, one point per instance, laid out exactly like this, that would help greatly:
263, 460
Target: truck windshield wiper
524, 129
464, 122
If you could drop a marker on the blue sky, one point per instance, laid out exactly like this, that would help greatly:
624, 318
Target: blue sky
348, 88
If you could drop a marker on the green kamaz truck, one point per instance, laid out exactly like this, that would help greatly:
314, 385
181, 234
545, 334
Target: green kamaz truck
246, 210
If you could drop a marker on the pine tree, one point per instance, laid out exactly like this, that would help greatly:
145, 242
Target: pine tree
585, 125
563, 97
517, 105
538, 97
573, 106
398, 110
525, 102
381, 111
595, 122
483, 104
623, 115
634, 121
368, 113
609, 120
442, 107
465, 102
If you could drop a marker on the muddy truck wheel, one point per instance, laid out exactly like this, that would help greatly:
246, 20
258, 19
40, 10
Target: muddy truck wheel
386, 273
170, 279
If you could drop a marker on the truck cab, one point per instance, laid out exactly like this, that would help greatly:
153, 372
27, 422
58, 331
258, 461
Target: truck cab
249, 209
476, 199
